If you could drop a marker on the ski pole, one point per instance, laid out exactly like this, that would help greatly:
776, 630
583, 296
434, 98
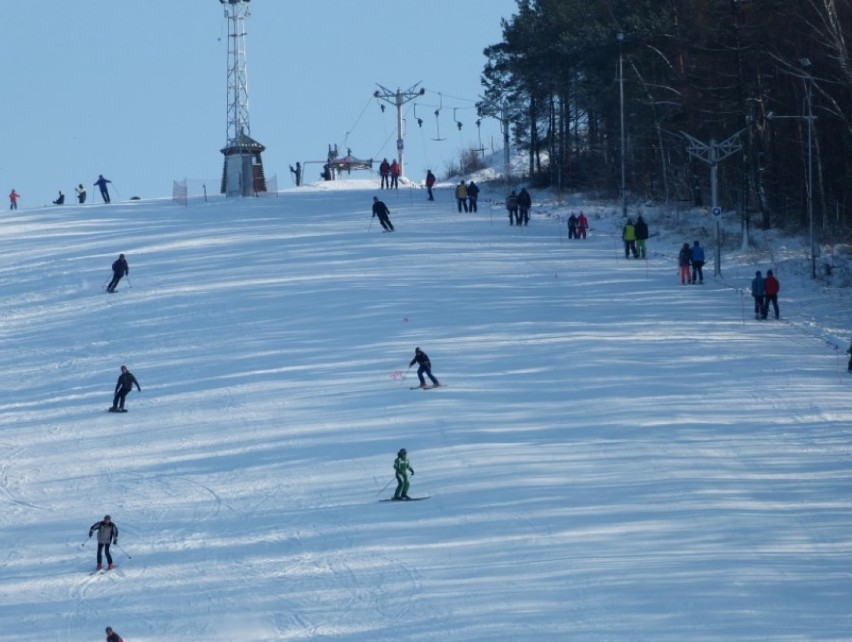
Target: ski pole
370, 226
386, 485
129, 284
405, 375
122, 550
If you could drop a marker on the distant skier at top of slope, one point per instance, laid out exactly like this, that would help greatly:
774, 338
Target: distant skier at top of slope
102, 185
422, 359
112, 636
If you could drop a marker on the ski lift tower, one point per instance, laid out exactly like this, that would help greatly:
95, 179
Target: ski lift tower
242, 174
398, 98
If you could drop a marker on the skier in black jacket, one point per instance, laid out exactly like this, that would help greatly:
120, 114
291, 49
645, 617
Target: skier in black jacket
107, 534
381, 210
123, 386
422, 359
119, 269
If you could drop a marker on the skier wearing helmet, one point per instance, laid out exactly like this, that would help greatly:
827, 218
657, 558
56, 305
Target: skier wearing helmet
402, 468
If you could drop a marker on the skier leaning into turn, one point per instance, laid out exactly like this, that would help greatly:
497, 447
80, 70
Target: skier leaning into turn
402, 468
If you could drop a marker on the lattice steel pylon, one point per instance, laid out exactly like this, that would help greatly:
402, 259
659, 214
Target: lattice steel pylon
242, 174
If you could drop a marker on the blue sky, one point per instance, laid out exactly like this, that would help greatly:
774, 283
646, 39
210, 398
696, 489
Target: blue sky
136, 90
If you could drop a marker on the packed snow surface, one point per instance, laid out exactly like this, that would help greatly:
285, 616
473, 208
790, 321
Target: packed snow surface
614, 456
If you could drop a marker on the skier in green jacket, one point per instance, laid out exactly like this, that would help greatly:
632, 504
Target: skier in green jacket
402, 468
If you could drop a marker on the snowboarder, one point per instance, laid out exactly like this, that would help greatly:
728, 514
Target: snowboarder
102, 185
119, 269
107, 534
381, 210
572, 226
524, 205
425, 366
461, 196
60, 200
112, 636
698, 263
472, 196
402, 468
757, 293
430, 182
582, 225
684, 258
628, 235
81, 193
297, 173
512, 207
771, 287
641, 236
123, 386
13, 199
384, 172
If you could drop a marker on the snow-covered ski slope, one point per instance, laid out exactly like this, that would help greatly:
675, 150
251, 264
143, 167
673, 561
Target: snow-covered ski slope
615, 456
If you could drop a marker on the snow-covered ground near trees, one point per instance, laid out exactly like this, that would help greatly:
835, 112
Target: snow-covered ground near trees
614, 456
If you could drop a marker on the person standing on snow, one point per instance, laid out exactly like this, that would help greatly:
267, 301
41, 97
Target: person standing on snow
123, 386
628, 235
512, 207
430, 182
524, 205
472, 196
401, 468
422, 359
119, 269
395, 171
384, 172
641, 236
461, 196
757, 293
81, 193
684, 258
297, 173
102, 185
698, 264
112, 636
572, 226
13, 199
107, 534
582, 225
381, 210
771, 287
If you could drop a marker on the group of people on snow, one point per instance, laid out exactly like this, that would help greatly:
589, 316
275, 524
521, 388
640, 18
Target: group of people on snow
764, 291
691, 257
467, 196
634, 236
389, 173
518, 205
577, 226
101, 183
